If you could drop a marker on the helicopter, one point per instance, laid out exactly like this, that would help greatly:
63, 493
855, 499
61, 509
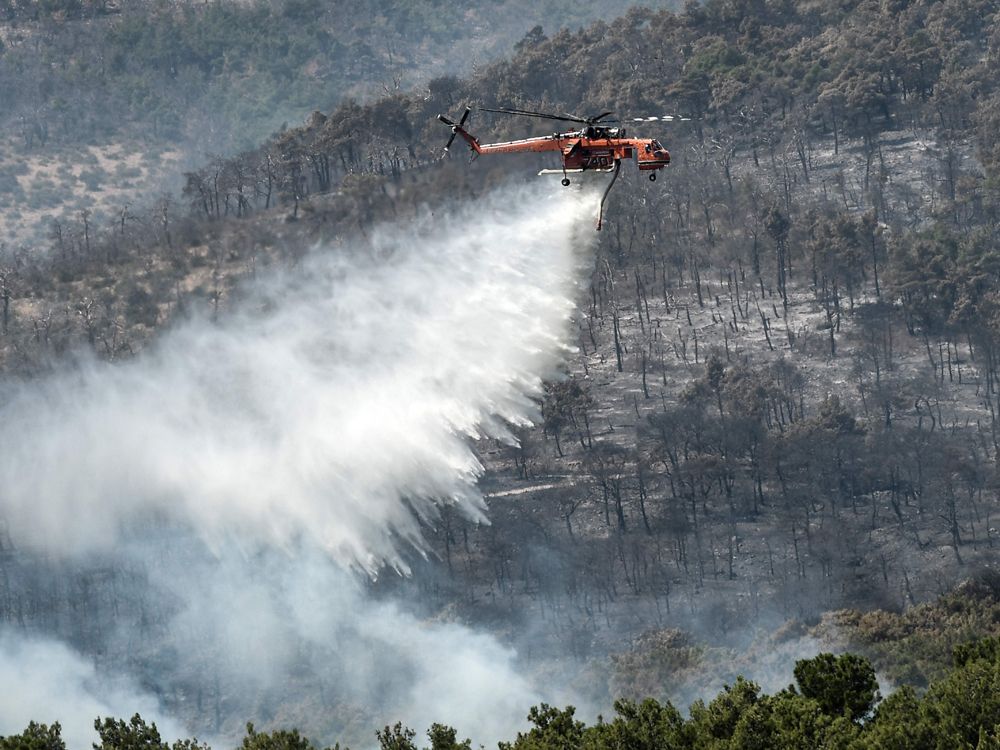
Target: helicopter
596, 146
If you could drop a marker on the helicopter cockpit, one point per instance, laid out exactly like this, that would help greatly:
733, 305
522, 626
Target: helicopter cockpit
602, 131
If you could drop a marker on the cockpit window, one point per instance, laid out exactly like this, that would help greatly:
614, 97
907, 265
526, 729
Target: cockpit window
657, 146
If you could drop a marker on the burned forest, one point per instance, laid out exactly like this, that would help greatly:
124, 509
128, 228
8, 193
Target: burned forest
309, 413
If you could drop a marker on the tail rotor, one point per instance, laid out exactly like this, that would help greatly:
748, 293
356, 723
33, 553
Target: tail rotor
454, 126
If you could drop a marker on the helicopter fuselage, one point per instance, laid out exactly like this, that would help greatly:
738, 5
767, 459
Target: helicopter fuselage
595, 147
580, 151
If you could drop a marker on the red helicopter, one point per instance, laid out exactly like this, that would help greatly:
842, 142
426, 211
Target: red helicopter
596, 146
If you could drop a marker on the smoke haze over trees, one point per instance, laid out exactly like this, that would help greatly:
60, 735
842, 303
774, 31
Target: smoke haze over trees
835, 701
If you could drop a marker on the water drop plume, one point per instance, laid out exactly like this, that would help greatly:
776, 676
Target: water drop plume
336, 404
245, 465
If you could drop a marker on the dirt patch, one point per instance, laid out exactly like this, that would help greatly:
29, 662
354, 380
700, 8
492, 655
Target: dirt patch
62, 182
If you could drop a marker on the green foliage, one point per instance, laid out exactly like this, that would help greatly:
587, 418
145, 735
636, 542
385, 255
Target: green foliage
964, 704
840, 685
35, 737
396, 737
790, 720
718, 720
135, 734
948, 279
715, 56
985, 649
279, 739
648, 725
898, 723
446, 738
553, 730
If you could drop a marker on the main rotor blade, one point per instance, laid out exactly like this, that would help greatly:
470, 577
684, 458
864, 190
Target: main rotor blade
662, 118
595, 120
541, 115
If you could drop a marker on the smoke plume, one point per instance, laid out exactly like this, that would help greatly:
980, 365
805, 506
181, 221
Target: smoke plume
47, 681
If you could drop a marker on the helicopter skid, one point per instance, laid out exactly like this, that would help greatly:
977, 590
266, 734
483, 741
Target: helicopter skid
574, 171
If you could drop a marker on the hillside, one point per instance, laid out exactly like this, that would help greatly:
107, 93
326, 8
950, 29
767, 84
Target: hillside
784, 400
106, 103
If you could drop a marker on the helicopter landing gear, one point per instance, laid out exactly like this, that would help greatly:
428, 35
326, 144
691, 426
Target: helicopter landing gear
652, 176
565, 181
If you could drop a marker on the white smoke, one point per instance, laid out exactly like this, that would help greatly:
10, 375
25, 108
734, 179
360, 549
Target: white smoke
305, 625
48, 682
333, 411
